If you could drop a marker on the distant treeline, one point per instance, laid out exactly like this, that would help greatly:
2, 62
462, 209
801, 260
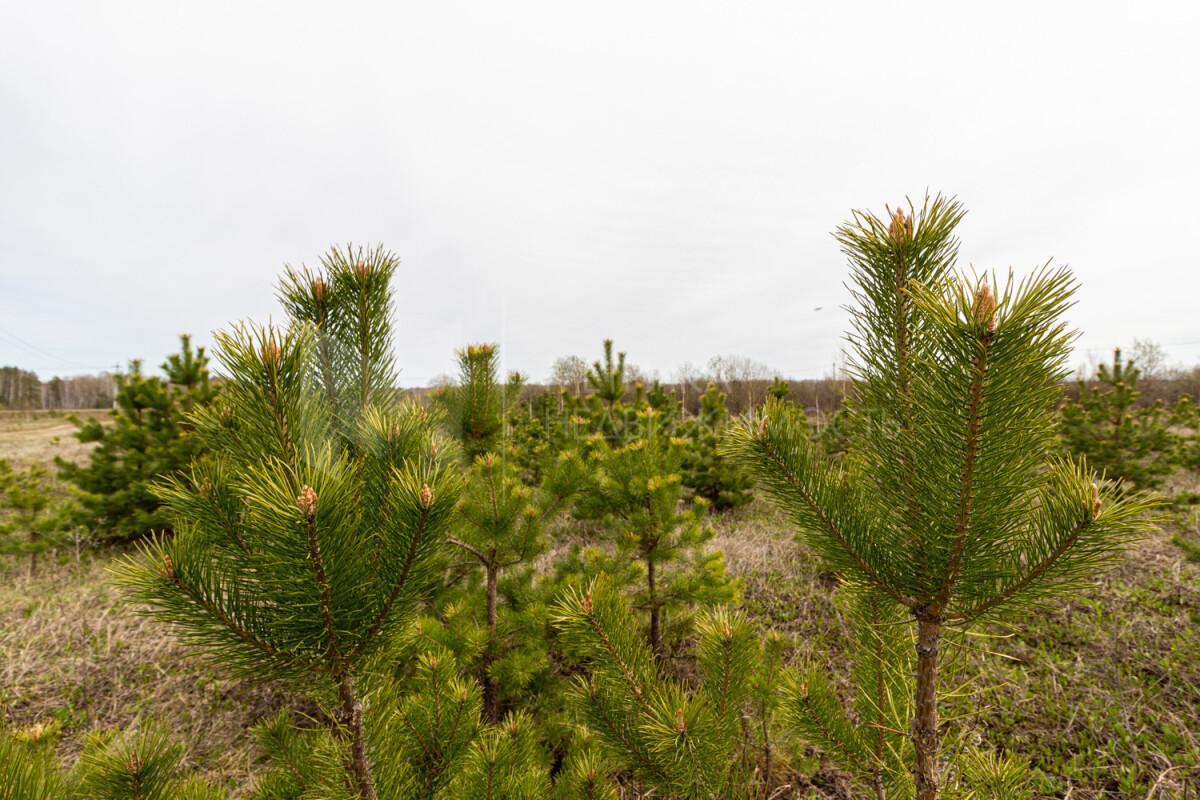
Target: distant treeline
824, 396
22, 390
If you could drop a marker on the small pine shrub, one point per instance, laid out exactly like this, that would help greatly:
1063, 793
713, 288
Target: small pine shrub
1123, 440
150, 435
705, 469
950, 506
37, 520
308, 536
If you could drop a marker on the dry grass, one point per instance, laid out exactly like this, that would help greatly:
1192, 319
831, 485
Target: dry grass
28, 437
73, 657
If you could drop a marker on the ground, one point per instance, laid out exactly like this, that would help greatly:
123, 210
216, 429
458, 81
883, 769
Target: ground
1101, 693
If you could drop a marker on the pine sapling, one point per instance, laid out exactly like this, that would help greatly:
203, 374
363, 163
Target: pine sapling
307, 536
36, 522
638, 491
607, 377
950, 503
1123, 439
677, 741
501, 524
477, 407
148, 436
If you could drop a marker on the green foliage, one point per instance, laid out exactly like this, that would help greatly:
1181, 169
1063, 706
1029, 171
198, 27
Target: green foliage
27, 773
869, 739
833, 432
35, 522
1125, 441
500, 525
149, 435
950, 504
607, 377
676, 741
705, 469
476, 408
308, 534
426, 740
134, 766
637, 492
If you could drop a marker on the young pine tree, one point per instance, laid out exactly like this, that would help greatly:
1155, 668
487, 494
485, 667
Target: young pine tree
149, 436
637, 490
706, 470
500, 518
607, 377
693, 744
36, 521
477, 406
950, 503
1106, 425
500, 525
307, 536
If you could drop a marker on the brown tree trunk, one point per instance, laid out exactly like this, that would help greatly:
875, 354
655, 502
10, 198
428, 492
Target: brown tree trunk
925, 723
655, 633
360, 766
491, 692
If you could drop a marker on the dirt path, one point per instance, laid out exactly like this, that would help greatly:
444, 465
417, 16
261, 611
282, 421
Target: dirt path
37, 440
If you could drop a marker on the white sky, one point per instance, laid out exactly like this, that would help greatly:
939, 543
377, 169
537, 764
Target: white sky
666, 174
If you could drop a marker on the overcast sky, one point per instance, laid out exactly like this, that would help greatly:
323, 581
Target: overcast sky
666, 174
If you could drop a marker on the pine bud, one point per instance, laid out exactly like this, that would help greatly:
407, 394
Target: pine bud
362, 270
168, 569
36, 732
426, 496
270, 351
318, 290
985, 307
762, 427
489, 460
680, 721
727, 631
587, 603
307, 502
902, 227
134, 765
1095, 500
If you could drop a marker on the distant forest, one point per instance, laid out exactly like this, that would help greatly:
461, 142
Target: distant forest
22, 390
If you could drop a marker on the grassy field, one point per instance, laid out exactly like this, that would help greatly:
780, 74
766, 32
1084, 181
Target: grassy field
1101, 692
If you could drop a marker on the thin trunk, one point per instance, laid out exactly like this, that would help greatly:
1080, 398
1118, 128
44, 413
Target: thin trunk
766, 742
925, 723
880, 692
491, 692
655, 634
352, 719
